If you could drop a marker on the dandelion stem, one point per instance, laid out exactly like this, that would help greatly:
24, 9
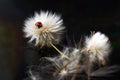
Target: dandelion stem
59, 51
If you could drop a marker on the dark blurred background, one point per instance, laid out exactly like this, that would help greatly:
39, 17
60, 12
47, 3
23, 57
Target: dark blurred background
80, 17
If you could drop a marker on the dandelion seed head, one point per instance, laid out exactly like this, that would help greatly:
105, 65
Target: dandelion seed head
97, 46
44, 27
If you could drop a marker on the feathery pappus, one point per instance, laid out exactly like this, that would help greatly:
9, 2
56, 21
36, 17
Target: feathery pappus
44, 27
97, 47
65, 67
34, 76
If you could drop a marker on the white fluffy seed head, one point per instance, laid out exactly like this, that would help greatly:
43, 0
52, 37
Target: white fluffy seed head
98, 47
44, 27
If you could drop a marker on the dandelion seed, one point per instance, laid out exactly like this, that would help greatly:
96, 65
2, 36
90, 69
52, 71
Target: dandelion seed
97, 47
63, 73
33, 77
65, 67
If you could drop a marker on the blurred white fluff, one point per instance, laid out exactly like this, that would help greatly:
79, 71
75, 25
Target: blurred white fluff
33, 76
65, 66
44, 27
106, 71
97, 47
